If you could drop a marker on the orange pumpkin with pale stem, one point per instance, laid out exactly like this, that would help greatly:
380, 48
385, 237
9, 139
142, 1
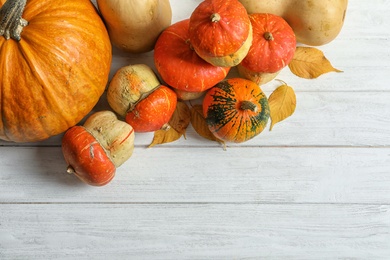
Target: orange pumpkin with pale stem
273, 47
220, 32
94, 151
55, 63
153, 112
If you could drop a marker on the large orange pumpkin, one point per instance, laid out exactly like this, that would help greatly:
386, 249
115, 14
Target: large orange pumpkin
54, 72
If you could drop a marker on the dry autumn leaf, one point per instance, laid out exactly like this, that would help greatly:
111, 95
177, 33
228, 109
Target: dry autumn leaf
199, 124
282, 103
165, 136
310, 63
178, 125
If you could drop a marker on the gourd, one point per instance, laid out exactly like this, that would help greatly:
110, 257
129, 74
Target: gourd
94, 151
55, 59
153, 112
272, 49
180, 66
315, 22
220, 32
134, 25
236, 110
136, 94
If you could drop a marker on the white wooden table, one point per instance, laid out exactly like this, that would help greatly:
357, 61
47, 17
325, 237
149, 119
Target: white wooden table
316, 187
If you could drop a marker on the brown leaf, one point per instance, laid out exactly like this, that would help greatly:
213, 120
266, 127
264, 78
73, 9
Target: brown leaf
177, 126
165, 136
181, 118
282, 103
199, 124
310, 63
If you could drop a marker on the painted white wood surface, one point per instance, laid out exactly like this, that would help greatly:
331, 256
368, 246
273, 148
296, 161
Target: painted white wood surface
316, 187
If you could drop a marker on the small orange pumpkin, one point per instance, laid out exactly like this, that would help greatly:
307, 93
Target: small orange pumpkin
153, 112
53, 70
236, 110
273, 47
220, 32
179, 65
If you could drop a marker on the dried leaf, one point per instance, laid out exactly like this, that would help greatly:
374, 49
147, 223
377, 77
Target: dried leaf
165, 136
310, 63
199, 124
181, 118
177, 126
282, 103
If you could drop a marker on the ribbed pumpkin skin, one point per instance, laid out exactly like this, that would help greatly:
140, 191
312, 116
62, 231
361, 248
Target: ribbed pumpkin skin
222, 41
179, 65
270, 55
224, 115
56, 73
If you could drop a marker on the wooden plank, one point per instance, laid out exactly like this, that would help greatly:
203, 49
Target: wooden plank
194, 231
207, 175
320, 119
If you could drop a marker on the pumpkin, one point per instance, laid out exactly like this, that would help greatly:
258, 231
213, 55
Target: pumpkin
315, 22
94, 151
236, 110
153, 112
179, 65
129, 85
220, 32
54, 66
272, 49
134, 25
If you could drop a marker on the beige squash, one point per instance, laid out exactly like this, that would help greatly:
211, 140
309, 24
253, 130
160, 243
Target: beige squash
315, 22
134, 25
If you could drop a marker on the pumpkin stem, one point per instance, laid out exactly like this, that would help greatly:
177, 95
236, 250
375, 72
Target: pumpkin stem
248, 105
268, 36
70, 170
215, 17
166, 127
11, 21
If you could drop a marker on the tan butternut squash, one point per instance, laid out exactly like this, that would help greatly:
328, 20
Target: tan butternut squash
315, 22
134, 25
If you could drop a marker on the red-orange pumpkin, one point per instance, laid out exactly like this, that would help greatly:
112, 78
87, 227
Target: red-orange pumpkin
54, 72
272, 49
153, 112
86, 157
236, 110
179, 65
220, 32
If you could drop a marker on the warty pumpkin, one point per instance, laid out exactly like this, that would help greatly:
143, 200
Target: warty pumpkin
236, 110
54, 66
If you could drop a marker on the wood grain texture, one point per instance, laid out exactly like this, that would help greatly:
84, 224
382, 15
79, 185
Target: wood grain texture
316, 187
195, 231
238, 175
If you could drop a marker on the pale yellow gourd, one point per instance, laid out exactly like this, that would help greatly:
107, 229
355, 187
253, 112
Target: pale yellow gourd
134, 25
315, 22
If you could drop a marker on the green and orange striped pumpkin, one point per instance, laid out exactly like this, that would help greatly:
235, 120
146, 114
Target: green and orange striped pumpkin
236, 110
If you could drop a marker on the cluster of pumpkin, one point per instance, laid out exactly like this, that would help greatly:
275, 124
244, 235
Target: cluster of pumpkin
192, 57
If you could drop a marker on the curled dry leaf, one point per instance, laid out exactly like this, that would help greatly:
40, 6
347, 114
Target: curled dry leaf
310, 63
177, 126
282, 103
199, 124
